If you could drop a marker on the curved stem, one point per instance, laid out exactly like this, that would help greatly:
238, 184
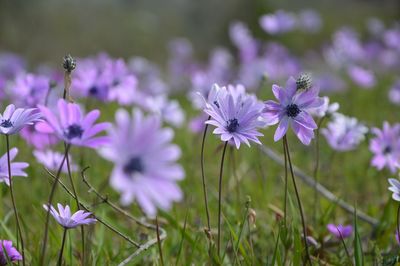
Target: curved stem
204, 178
308, 257
286, 187
159, 242
52, 192
220, 197
316, 167
62, 247
398, 222
13, 200
344, 245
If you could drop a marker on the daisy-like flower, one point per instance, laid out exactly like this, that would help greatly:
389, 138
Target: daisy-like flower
17, 168
52, 160
344, 133
395, 188
325, 109
70, 125
14, 119
340, 231
386, 147
293, 110
145, 167
8, 253
67, 220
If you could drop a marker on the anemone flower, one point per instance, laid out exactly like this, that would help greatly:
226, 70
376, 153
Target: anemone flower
52, 160
8, 253
386, 147
14, 119
395, 188
17, 168
293, 110
340, 231
70, 125
235, 114
67, 220
145, 167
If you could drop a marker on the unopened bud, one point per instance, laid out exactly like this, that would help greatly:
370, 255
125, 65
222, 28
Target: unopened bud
69, 63
251, 216
304, 81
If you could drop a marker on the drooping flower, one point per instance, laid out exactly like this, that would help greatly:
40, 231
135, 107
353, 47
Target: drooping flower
235, 114
52, 160
340, 231
8, 253
145, 167
17, 168
293, 110
386, 147
13, 120
395, 188
344, 133
69, 124
68, 220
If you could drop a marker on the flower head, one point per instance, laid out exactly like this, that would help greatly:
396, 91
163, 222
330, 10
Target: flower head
52, 160
64, 217
386, 147
145, 167
340, 231
13, 120
344, 133
70, 125
16, 167
395, 188
8, 252
29, 90
293, 110
235, 114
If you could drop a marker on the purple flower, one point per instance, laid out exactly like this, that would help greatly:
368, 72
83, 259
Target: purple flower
325, 109
235, 114
340, 231
11, 65
64, 217
293, 110
397, 236
145, 167
344, 133
394, 93
70, 125
8, 252
279, 22
169, 110
52, 160
13, 120
37, 139
309, 21
244, 41
30, 90
16, 167
395, 188
386, 147
362, 77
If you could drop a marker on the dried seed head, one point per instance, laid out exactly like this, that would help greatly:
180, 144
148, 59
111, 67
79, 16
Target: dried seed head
304, 81
251, 216
69, 63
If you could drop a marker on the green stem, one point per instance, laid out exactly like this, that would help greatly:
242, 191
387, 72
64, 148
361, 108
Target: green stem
62, 247
159, 242
220, 197
204, 178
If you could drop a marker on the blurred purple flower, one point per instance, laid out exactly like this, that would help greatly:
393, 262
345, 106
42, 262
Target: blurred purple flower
8, 253
70, 125
197, 124
52, 160
325, 109
241, 37
397, 237
13, 120
395, 188
340, 231
391, 38
67, 220
329, 82
169, 110
37, 139
11, 65
344, 133
362, 77
309, 21
145, 167
394, 93
29, 90
386, 147
292, 109
278, 22
279, 63
235, 114
17, 168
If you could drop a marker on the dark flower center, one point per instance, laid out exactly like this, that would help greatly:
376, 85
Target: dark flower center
6, 123
216, 103
134, 165
387, 150
93, 90
74, 131
292, 110
233, 124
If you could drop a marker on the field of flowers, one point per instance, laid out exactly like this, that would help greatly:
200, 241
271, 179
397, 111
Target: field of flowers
259, 155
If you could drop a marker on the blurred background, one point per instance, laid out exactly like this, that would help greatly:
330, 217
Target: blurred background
45, 30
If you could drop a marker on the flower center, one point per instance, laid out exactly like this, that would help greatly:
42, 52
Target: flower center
74, 131
387, 150
216, 103
93, 90
292, 110
6, 123
134, 165
233, 124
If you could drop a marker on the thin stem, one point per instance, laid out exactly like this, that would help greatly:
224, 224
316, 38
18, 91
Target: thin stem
308, 257
62, 247
159, 243
76, 200
398, 222
316, 167
286, 187
220, 197
52, 192
344, 245
204, 178
19, 231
